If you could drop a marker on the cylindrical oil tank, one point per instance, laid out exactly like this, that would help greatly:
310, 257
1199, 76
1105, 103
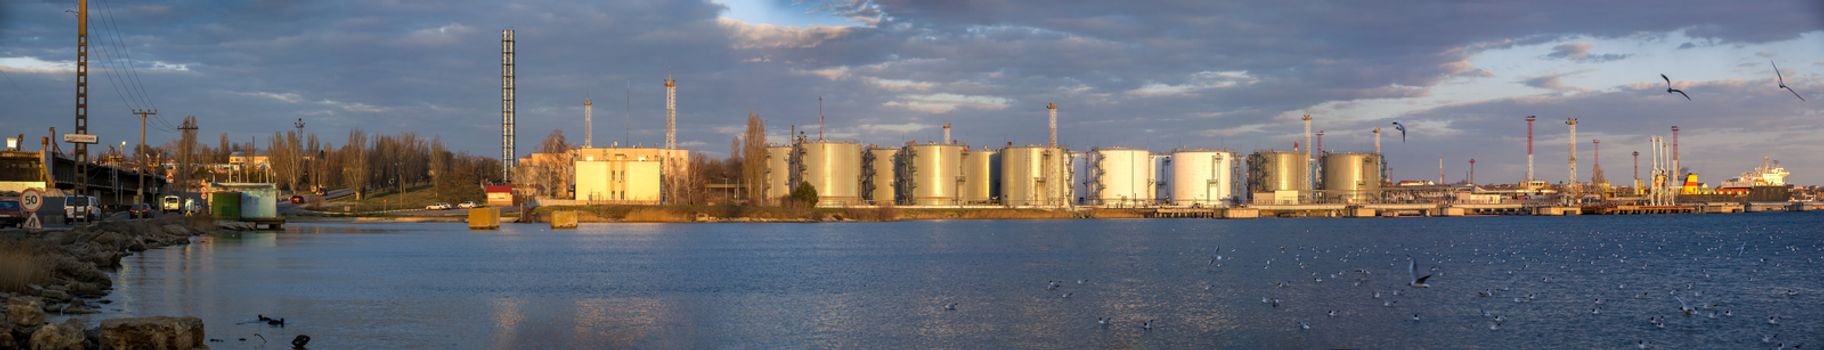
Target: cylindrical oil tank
978, 177
880, 175
778, 172
1121, 177
834, 169
931, 173
1202, 178
1034, 176
1272, 171
1352, 177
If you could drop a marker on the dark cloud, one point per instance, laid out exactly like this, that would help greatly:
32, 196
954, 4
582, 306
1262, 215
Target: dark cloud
1185, 69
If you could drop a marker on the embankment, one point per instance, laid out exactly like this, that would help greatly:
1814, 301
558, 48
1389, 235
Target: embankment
674, 214
65, 272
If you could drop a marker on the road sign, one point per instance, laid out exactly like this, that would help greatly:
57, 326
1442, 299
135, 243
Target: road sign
81, 138
31, 199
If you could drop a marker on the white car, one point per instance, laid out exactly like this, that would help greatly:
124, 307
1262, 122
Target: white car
468, 205
81, 208
438, 206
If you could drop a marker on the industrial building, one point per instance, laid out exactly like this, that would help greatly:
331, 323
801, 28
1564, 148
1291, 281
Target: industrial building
931, 174
1202, 178
620, 175
1121, 177
834, 169
981, 177
779, 174
1351, 177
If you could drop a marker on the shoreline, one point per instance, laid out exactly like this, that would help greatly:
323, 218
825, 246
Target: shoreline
66, 273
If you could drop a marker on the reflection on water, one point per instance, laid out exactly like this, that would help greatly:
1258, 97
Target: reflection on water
884, 285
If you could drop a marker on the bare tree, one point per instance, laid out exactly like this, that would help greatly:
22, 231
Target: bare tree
753, 159
550, 171
355, 166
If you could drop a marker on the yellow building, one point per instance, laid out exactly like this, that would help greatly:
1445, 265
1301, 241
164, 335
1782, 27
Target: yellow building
626, 175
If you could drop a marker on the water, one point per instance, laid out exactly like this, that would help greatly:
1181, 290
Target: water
884, 285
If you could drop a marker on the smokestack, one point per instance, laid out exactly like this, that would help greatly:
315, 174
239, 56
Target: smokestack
1377, 140
671, 112
1472, 171
1572, 122
1052, 107
819, 118
1676, 170
1637, 170
507, 148
1320, 143
588, 123
1529, 148
946, 133
1440, 168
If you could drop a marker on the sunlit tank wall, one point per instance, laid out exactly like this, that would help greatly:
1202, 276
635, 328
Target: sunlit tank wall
931, 173
834, 169
1202, 178
978, 177
1121, 177
778, 172
1270, 171
1033, 176
880, 174
1352, 177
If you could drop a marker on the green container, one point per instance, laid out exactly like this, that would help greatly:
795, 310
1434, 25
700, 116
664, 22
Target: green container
225, 205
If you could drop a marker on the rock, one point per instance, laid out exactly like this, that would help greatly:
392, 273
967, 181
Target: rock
159, 332
65, 336
6, 339
24, 311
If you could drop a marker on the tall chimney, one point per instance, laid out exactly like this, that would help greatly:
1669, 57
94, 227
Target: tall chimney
1572, 122
1472, 171
1052, 107
671, 112
1677, 172
1529, 148
1377, 140
1440, 168
946, 133
588, 123
507, 147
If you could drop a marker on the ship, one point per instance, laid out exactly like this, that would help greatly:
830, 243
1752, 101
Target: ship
1766, 183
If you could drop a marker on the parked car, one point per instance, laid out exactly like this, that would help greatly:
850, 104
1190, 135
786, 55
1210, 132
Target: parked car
438, 206
295, 199
139, 211
468, 205
171, 204
81, 208
11, 213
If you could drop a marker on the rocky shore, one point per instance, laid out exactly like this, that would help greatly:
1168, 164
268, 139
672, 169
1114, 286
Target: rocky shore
65, 273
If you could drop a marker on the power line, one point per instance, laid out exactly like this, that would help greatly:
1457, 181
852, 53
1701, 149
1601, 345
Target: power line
131, 70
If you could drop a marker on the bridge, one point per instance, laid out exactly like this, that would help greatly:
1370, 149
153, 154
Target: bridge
113, 186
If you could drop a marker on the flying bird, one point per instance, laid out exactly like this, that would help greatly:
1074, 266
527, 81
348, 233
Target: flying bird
1412, 267
1776, 74
1402, 129
1669, 88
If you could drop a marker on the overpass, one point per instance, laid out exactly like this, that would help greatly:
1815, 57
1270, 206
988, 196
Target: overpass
114, 186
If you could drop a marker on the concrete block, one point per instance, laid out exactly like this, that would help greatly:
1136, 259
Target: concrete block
1453, 211
1240, 213
563, 219
1360, 212
484, 218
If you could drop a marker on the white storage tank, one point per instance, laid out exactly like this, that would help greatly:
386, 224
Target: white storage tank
1352, 177
1202, 178
931, 174
1121, 177
1035, 176
979, 181
834, 169
880, 174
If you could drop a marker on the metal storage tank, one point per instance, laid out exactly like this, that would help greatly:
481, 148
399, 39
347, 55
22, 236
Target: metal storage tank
1202, 178
931, 174
778, 172
1352, 177
1121, 177
1270, 171
878, 178
979, 183
834, 168
1035, 176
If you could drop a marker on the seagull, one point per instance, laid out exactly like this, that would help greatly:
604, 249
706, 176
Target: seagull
1776, 74
1774, 320
1669, 88
1147, 326
950, 307
1303, 326
1102, 321
1642, 344
1402, 129
1332, 313
1412, 267
1685, 308
1067, 295
1770, 339
1415, 316
1051, 285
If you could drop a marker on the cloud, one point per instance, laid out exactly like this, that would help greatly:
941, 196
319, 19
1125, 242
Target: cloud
1197, 82
947, 102
1580, 52
438, 36
770, 36
902, 128
1554, 82
34, 65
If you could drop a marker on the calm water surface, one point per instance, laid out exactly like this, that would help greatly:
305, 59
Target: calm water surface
884, 285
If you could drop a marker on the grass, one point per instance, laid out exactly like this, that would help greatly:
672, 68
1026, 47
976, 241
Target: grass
24, 263
413, 198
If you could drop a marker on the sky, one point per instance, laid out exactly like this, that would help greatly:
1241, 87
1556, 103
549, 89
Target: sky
1461, 75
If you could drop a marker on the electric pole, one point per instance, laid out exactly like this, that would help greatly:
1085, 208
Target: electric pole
140, 197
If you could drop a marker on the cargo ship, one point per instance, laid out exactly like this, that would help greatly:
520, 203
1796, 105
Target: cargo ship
1766, 183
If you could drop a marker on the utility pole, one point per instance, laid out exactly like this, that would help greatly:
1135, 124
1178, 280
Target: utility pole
298, 157
140, 196
82, 95
189, 133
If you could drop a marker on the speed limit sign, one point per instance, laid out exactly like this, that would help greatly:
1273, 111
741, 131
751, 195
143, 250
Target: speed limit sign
32, 199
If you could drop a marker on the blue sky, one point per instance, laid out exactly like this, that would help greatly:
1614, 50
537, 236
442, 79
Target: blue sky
1152, 74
